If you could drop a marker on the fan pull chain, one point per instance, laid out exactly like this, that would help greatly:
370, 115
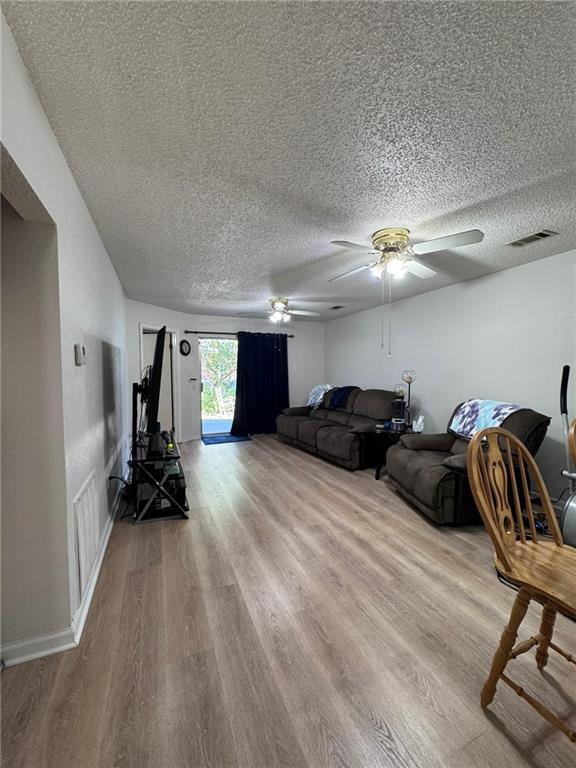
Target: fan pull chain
382, 314
389, 315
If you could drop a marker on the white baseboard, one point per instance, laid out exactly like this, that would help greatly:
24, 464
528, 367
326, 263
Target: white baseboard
79, 619
36, 647
64, 640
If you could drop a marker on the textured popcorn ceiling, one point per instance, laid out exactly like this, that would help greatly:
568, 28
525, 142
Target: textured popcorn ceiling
221, 146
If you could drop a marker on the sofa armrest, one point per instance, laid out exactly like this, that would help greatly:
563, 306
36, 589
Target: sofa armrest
440, 442
302, 410
456, 462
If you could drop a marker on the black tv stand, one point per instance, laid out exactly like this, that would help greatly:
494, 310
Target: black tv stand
156, 444
158, 481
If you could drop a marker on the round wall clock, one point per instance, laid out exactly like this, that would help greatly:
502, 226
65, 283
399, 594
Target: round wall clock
185, 347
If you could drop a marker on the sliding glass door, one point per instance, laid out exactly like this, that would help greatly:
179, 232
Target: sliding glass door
218, 375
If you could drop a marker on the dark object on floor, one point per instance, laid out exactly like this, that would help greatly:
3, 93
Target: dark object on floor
430, 470
218, 439
261, 384
339, 435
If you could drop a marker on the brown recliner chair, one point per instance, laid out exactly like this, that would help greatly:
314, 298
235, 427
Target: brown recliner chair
430, 472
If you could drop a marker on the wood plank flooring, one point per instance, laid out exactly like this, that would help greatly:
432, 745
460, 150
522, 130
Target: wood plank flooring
303, 617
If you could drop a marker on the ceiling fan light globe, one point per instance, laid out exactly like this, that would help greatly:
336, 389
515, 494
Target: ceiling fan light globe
276, 317
396, 267
286, 317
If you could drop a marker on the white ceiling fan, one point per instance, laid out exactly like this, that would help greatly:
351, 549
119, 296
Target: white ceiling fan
392, 252
279, 311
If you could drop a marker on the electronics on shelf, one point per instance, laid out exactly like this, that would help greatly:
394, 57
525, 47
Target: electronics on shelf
398, 413
157, 488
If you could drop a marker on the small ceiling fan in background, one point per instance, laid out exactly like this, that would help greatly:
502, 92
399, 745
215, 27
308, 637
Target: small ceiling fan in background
392, 252
279, 311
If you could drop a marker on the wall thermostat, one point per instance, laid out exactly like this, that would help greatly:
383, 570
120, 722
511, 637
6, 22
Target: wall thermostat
79, 354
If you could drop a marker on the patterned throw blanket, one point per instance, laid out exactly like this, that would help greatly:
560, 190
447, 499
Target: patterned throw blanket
317, 395
474, 415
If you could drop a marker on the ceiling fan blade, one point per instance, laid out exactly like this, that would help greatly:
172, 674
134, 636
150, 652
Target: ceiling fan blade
255, 312
448, 242
352, 246
419, 270
350, 272
304, 312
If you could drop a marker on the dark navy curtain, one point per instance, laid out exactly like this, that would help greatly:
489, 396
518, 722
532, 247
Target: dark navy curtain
261, 382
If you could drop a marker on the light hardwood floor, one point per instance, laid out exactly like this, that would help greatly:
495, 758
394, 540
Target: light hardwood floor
303, 617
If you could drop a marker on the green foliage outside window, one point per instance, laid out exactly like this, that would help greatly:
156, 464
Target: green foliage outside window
218, 376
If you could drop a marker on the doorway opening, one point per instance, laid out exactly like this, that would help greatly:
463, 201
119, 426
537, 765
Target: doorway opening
218, 377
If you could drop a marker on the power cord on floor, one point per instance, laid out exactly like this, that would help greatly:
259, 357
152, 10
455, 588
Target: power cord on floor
117, 477
126, 496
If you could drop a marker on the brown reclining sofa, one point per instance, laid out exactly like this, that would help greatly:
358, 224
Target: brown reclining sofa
338, 434
429, 470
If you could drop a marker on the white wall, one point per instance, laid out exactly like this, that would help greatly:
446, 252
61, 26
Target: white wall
305, 354
505, 336
33, 468
91, 312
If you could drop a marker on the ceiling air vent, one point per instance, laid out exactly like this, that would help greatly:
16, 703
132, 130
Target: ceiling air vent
337, 306
542, 235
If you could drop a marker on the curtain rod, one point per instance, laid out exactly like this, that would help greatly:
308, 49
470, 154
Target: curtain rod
235, 333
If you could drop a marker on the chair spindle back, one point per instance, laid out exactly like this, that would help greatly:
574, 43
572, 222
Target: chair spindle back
502, 474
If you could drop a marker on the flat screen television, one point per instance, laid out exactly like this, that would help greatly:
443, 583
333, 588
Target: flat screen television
155, 382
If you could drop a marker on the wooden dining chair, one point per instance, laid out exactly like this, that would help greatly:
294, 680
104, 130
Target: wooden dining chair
505, 479
572, 442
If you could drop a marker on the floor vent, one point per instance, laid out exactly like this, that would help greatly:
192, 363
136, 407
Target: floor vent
87, 530
542, 235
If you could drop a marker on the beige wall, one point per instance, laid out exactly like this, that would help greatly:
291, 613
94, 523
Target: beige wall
34, 543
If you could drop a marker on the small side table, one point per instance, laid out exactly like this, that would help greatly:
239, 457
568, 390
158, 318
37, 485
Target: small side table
379, 442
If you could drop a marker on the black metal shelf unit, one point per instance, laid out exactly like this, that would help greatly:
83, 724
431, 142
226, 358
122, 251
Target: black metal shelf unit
158, 482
